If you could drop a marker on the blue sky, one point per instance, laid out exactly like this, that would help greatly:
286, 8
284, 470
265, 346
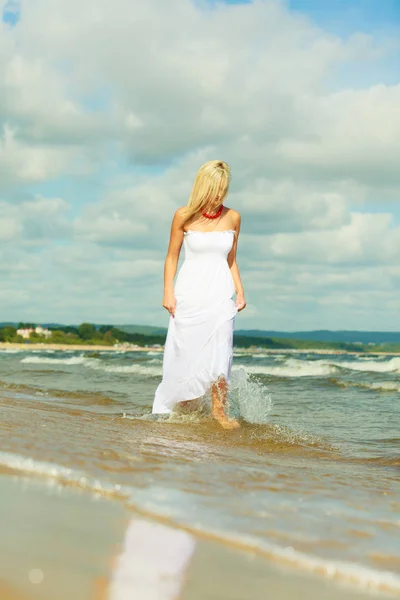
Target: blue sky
346, 16
11, 12
94, 159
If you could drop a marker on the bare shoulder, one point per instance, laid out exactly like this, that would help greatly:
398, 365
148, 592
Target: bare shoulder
180, 214
234, 216
178, 219
180, 211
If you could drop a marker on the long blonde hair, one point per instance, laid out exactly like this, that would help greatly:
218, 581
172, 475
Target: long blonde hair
212, 180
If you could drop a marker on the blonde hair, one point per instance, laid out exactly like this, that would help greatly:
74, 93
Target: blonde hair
212, 180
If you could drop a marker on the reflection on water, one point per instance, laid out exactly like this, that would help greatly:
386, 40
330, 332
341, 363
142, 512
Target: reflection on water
62, 545
152, 564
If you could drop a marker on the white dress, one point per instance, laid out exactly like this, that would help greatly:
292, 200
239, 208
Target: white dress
198, 348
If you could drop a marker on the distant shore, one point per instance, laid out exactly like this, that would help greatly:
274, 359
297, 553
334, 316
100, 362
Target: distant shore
75, 347
134, 348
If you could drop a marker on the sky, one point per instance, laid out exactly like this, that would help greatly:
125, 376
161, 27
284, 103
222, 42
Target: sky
108, 109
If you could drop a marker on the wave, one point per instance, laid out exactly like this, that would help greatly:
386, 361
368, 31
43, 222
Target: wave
368, 358
259, 437
15, 463
73, 360
146, 501
291, 367
384, 461
374, 366
95, 363
139, 369
295, 368
383, 386
348, 573
82, 398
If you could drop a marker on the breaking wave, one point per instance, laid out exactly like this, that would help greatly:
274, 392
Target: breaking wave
295, 368
73, 360
375, 366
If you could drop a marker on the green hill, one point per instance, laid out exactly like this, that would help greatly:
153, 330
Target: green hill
143, 329
327, 336
349, 337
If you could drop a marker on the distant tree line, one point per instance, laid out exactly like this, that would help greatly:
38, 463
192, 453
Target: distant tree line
86, 333
108, 335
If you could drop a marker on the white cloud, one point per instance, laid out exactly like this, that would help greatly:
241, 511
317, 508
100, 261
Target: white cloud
368, 239
28, 163
39, 220
286, 206
9, 228
98, 90
354, 133
249, 73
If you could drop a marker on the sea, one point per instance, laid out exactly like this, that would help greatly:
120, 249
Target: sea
310, 481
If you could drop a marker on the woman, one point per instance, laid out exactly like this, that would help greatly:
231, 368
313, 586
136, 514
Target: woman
198, 348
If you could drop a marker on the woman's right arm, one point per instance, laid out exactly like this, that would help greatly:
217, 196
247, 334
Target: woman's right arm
171, 260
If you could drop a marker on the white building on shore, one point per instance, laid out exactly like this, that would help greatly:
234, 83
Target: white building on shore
42, 331
39, 330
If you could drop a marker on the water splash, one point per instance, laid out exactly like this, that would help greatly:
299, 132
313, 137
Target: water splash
250, 398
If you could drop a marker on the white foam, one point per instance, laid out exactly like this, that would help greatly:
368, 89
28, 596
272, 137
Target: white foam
73, 360
139, 369
353, 574
382, 386
293, 367
377, 366
21, 463
385, 386
57, 472
147, 369
346, 572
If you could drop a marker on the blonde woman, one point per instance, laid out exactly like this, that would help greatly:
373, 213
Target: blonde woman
198, 348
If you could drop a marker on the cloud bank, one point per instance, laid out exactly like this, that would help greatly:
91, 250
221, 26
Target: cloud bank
108, 109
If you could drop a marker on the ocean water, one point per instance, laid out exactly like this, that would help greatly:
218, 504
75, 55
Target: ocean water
311, 480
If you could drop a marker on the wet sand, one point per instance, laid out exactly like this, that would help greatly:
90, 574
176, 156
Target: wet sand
64, 544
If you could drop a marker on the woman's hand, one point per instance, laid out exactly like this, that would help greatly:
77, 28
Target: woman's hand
169, 302
240, 302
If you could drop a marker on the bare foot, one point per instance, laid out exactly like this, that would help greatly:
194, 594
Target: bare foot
229, 423
223, 419
219, 396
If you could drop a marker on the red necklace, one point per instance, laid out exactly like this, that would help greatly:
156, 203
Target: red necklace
215, 215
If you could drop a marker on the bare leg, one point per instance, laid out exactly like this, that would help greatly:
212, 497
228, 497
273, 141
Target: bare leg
219, 392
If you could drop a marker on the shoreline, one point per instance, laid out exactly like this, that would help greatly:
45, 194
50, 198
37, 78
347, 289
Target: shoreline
104, 542
134, 348
75, 347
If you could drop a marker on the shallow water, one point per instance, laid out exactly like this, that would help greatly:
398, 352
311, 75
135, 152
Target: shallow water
59, 544
311, 479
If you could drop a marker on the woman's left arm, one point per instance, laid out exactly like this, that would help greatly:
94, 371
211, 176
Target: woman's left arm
240, 299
